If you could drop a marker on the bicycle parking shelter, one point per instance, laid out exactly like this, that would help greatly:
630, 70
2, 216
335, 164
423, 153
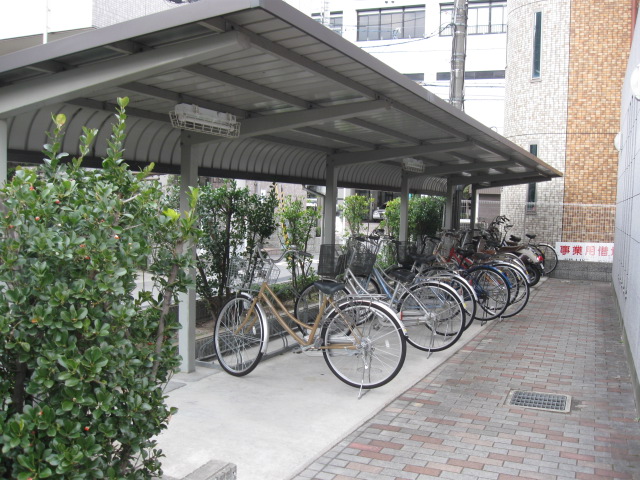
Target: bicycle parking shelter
312, 108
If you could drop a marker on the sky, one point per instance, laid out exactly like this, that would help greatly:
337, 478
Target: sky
27, 17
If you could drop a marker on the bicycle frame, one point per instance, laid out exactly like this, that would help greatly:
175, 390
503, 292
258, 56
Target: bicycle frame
267, 296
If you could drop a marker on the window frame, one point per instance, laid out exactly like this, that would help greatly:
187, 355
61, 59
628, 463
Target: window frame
491, 28
532, 188
416, 23
536, 47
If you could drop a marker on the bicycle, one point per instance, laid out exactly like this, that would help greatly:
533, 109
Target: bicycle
549, 254
431, 311
362, 340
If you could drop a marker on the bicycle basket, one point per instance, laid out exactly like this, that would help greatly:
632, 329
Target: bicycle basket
332, 261
362, 263
405, 253
245, 276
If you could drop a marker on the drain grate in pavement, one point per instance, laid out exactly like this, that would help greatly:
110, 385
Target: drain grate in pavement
542, 401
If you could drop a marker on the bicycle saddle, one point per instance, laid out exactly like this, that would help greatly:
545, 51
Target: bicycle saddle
402, 275
530, 235
327, 287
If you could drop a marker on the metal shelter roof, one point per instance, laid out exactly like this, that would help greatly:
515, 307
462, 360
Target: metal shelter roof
304, 96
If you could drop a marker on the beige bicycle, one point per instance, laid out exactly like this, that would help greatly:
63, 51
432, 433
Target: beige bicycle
362, 340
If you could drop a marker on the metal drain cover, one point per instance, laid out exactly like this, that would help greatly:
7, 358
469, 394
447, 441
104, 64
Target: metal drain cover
541, 401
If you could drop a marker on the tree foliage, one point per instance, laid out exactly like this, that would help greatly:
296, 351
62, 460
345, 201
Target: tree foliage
297, 227
83, 359
233, 221
356, 209
425, 216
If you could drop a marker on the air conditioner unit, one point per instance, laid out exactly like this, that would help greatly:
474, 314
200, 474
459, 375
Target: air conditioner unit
202, 120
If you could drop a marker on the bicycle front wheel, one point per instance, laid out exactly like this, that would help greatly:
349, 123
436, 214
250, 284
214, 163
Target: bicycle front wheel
492, 289
433, 315
364, 344
239, 337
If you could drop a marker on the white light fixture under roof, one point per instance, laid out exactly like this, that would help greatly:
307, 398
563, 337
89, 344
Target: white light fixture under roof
202, 120
413, 165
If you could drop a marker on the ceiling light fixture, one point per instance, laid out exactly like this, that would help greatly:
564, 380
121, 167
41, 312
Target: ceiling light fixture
202, 120
413, 165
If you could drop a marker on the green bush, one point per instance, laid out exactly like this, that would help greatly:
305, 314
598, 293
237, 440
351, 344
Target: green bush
425, 216
356, 210
233, 222
297, 226
83, 361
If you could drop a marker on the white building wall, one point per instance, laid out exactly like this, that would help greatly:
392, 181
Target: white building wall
625, 274
536, 109
484, 99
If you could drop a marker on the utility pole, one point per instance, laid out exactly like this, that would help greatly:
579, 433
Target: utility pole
458, 53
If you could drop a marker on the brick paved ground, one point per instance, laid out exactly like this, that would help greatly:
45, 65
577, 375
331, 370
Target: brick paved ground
455, 424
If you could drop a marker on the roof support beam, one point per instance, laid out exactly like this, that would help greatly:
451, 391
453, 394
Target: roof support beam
86, 80
383, 130
468, 167
316, 132
526, 177
507, 183
112, 106
282, 52
161, 93
269, 124
246, 85
343, 159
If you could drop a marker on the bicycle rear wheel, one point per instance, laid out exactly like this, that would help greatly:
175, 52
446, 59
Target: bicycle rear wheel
238, 337
550, 257
364, 344
492, 289
433, 315
520, 291
464, 291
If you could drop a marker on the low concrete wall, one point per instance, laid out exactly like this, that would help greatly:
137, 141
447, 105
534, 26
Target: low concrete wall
595, 271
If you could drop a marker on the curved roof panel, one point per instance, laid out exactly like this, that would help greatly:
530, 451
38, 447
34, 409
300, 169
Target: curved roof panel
303, 95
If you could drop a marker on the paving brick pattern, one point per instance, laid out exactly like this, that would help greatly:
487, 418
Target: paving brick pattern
455, 424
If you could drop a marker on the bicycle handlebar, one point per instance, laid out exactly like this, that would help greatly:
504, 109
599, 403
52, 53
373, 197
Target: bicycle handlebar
266, 258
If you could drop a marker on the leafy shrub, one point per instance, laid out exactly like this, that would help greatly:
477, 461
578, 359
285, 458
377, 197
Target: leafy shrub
233, 222
82, 361
356, 209
297, 226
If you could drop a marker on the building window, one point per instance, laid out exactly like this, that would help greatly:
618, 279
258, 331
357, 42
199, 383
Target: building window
416, 77
479, 75
335, 21
482, 18
531, 188
390, 23
537, 44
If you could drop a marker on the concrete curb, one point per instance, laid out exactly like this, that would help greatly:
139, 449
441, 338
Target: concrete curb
213, 470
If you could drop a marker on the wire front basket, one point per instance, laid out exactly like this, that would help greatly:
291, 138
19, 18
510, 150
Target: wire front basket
245, 276
332, 262
405, 253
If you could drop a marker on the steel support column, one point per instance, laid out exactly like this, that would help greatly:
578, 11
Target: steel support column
448, 207
187, 300
404, 207
330, 200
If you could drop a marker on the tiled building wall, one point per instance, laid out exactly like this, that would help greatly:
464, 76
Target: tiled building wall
536, 109
626, 275
108, 12
595, 80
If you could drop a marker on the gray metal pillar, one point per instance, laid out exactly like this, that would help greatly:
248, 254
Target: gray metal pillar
404, 207
4, 151
187, 301
448, 207
330, 200
458, 53
473, 214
